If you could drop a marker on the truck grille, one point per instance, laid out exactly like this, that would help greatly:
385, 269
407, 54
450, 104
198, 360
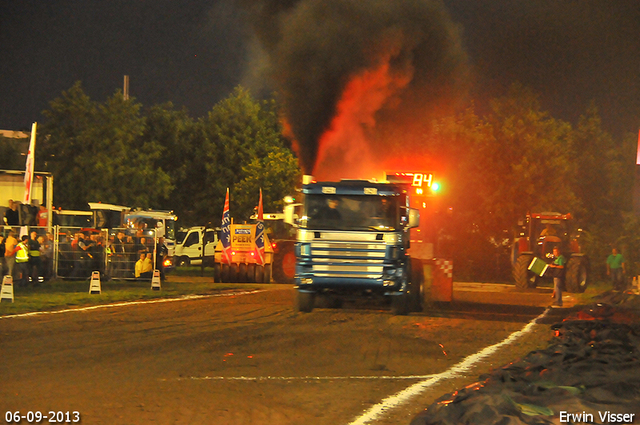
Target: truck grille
348, 259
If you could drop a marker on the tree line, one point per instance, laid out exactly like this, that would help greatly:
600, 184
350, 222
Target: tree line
496, 166
161, 158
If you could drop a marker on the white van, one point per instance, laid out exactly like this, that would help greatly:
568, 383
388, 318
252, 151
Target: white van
192, 243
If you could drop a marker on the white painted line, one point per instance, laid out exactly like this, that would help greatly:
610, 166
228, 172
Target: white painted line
464, 366
296, 378
129, 303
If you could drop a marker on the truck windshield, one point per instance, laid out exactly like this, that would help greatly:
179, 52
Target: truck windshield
351, 212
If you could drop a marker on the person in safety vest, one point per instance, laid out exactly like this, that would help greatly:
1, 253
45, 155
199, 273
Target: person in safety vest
22, 261
35, 262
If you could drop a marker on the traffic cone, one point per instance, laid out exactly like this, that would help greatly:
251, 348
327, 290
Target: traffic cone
95, 287
155, 281
6, 293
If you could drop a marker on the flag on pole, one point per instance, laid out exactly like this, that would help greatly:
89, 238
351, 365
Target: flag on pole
28, 175
225, 233
260, 233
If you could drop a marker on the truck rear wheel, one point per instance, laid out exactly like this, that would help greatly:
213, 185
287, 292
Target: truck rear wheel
521, 274
577, 274
416, 286
305, 301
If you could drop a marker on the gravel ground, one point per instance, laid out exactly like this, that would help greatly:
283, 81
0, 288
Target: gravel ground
589, 373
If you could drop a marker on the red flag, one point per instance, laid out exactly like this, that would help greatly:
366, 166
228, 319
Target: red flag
225, 233
260, 233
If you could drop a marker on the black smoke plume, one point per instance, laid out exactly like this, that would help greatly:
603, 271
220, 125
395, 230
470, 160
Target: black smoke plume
407, 52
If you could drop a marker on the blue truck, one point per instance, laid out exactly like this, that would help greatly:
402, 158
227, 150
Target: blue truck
352, 241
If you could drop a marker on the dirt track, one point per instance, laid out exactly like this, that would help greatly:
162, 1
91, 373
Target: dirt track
249, 359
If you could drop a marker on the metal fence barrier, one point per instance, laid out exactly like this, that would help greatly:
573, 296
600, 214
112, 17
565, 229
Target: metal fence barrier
74, 252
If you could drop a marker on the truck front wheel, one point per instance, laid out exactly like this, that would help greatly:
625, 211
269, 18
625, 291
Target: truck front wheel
305, 301
400, 304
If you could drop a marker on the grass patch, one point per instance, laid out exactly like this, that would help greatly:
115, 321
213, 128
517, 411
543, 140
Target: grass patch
193, 271
594, 288
63, 294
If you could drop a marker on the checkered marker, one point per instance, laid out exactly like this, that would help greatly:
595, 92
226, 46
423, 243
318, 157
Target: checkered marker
446, 266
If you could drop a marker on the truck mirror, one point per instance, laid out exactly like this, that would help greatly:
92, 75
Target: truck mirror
414, 217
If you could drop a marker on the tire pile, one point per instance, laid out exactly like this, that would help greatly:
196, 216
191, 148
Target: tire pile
591, 366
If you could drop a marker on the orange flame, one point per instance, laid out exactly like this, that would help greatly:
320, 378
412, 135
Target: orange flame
344, 151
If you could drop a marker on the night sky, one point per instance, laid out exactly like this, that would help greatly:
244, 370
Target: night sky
193, 53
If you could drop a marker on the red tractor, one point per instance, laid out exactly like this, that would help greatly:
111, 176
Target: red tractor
535, 239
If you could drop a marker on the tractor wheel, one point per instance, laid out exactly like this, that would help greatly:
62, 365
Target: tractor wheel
284, 264
224, 273
305, 301
242, 273
259, 274
217, 273
267, 273
251, 273
577, 274
233, 273
523, 277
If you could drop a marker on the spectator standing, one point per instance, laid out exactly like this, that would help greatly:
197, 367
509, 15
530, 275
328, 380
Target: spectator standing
22, 261
161, 254
10, 252
1, 257
118, 253
46, 255
43, 216
558, 276
12, 216
35, 262
616, 269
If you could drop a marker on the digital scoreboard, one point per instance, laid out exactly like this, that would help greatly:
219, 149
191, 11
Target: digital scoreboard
420, 181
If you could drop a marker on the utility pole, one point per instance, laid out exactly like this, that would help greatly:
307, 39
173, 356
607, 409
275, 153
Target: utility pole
125, 90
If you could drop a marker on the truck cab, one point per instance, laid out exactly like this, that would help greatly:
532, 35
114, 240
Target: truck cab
352, 240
